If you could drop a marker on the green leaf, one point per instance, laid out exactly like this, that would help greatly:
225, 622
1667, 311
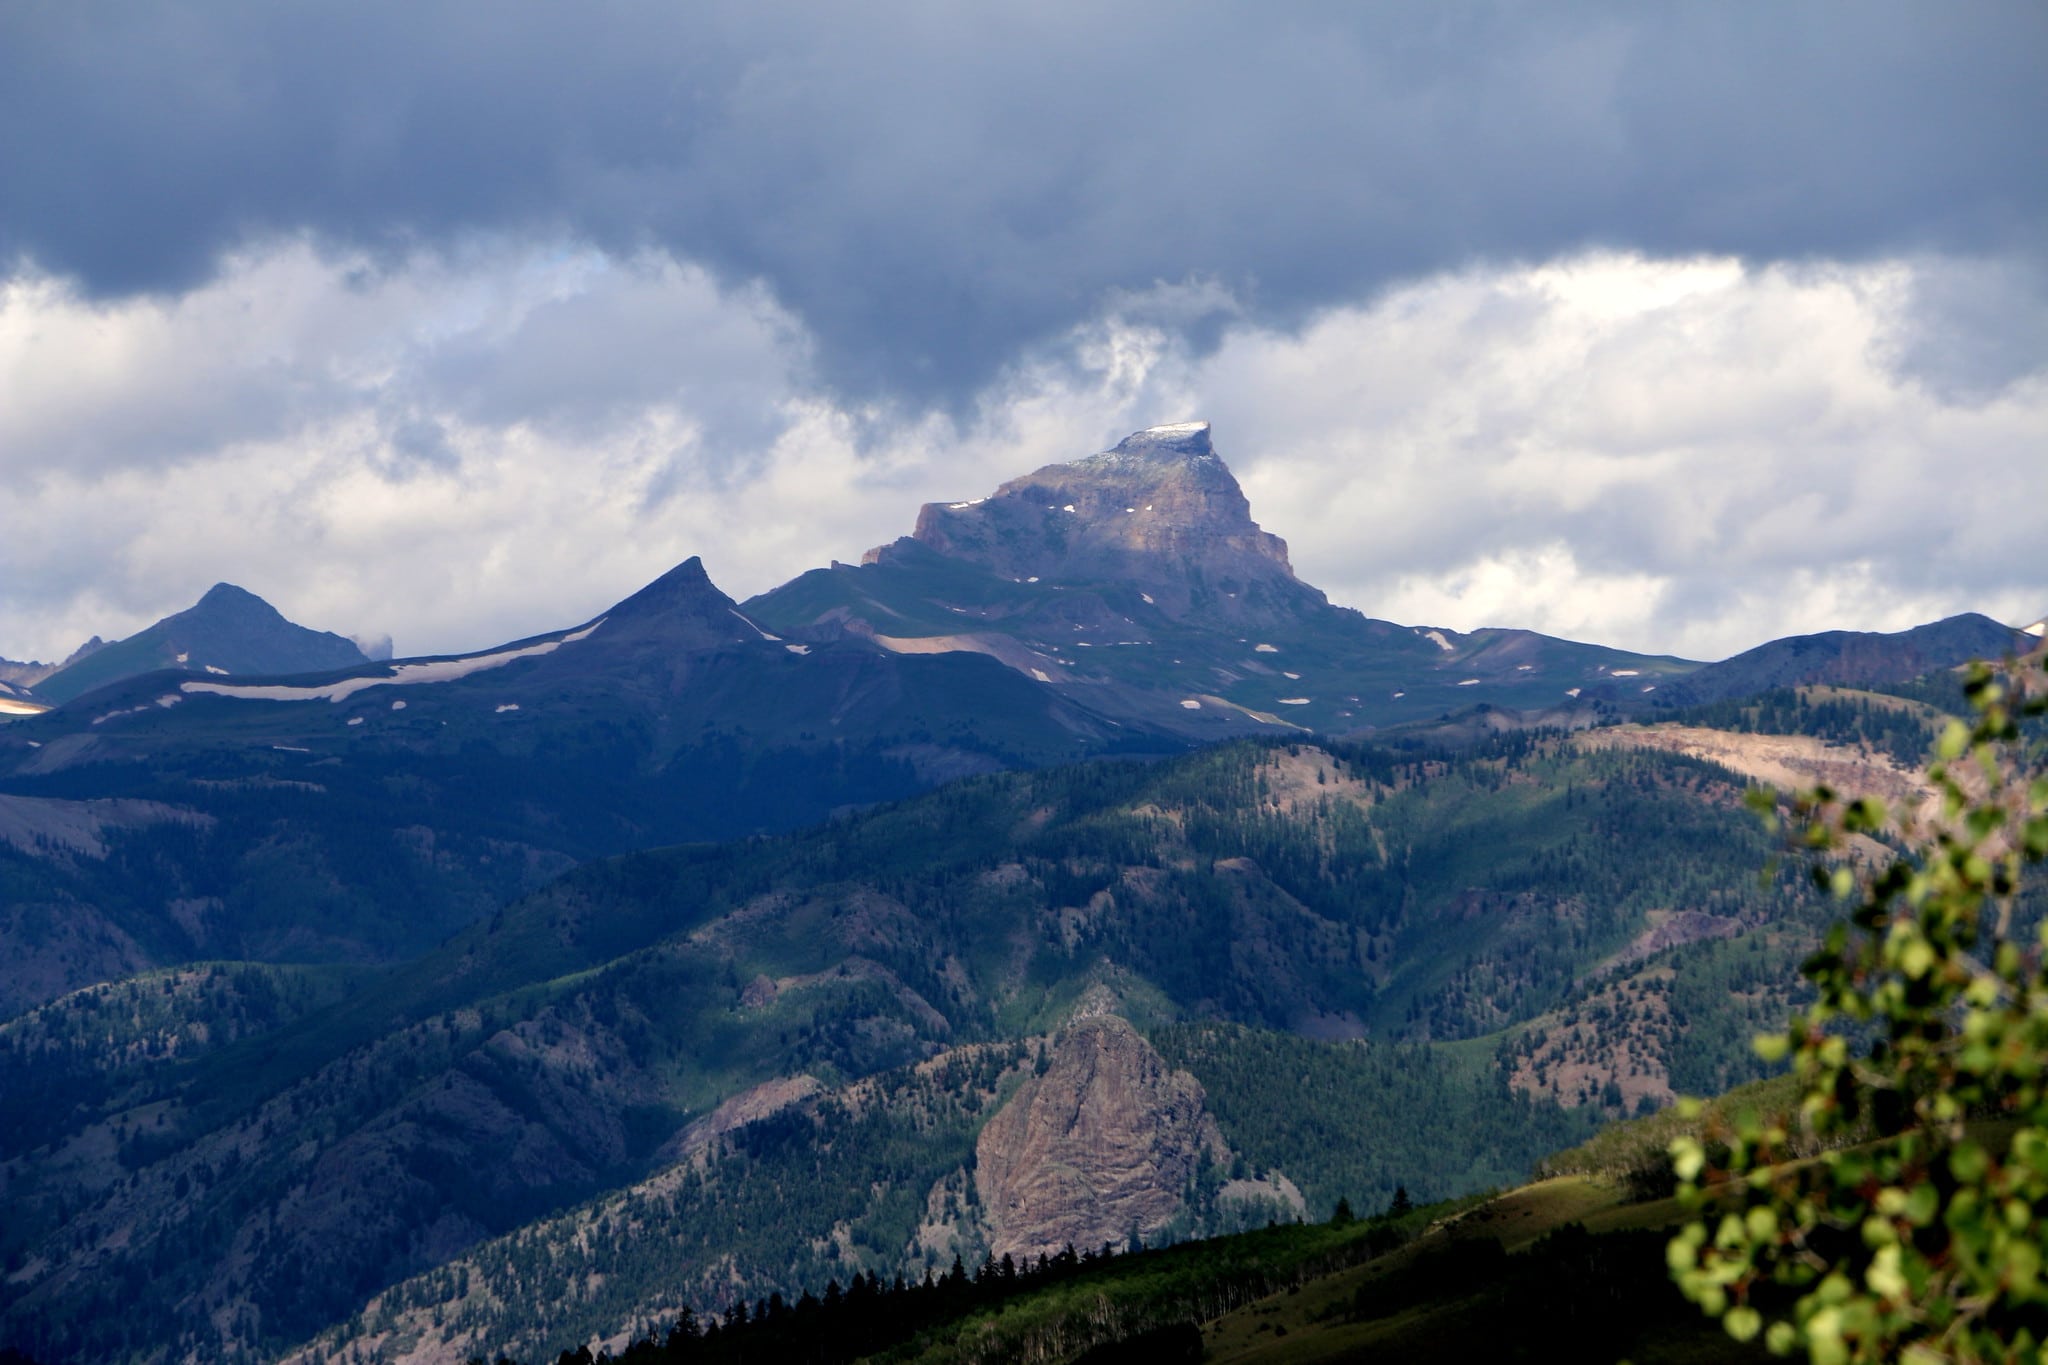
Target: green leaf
1955, 737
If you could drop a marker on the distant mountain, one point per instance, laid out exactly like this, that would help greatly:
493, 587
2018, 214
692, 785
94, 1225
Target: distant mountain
1849, 658
567, 1099
1137, 579
1159, 512
1121, 603
23, 674
364, 813
230, 631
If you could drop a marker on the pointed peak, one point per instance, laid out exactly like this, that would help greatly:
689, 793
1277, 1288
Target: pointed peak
689, 571
226, 599
686, 583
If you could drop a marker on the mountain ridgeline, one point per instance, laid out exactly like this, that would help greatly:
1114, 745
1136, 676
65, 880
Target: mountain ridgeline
1068, 872
227, 784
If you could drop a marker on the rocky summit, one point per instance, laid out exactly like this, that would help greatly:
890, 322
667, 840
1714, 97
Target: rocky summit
1160, 511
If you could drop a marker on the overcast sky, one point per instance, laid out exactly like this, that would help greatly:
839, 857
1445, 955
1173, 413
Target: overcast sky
1674, 327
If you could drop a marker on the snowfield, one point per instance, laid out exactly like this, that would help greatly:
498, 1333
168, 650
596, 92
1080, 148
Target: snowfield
401, 675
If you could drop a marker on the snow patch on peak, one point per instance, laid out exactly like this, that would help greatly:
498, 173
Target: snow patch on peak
756, 629
438, 670
1438, 637
1176, 429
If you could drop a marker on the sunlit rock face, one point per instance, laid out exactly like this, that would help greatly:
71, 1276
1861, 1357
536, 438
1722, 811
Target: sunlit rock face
1161, 511
1105, 1141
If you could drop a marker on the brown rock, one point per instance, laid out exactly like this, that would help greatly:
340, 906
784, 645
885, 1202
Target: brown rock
1161, 511
1106, 1140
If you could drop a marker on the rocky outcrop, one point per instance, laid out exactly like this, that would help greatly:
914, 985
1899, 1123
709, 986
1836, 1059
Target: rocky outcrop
1105, 1140
1161, 511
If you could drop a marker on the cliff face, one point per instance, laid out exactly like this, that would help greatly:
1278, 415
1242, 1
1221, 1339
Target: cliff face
1161, 511
1106, 1140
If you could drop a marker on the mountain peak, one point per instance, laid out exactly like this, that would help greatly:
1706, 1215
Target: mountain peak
686, 584
228, 631
679, 613
1159, 510
227, 598
1175, 440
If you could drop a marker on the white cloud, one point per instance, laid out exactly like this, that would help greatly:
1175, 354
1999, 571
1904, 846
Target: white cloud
1675, 456
1687, 456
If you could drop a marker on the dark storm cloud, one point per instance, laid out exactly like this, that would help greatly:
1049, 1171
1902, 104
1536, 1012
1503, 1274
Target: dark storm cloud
931, 189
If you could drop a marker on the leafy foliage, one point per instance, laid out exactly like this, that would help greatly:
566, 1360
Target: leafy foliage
1926, 1242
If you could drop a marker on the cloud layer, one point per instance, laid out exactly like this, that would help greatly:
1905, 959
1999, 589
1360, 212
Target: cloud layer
932, 190
1676, 326
1685, 455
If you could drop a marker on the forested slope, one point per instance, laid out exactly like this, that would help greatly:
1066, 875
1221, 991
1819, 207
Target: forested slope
707, 1050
